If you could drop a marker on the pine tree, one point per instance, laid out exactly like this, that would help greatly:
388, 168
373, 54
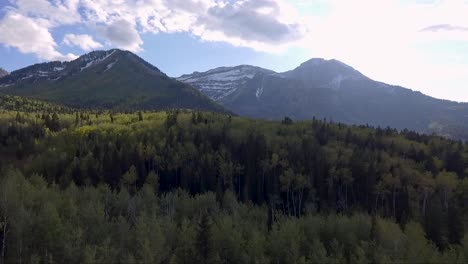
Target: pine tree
130, 178
77, 119
204, 240
455, 225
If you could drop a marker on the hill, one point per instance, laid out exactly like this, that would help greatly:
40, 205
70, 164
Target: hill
113, 79
333, 90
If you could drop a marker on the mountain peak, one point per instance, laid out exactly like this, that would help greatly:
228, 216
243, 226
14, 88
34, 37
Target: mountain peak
322, 62
313, 62
330, 72
240, 68
109, 79
99, 61
100, 54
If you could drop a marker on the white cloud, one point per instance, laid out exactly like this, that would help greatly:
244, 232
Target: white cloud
85, 42
54, 13
28, 36
122, 34
382, 38
265, 25
261, 24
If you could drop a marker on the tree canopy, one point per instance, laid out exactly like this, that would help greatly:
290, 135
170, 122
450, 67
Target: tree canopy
178, 186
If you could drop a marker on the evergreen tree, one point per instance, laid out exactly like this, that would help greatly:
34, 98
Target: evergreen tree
204, 242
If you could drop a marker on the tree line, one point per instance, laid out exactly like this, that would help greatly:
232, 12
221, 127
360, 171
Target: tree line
288, 172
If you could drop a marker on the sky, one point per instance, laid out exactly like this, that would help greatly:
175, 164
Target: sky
418, 44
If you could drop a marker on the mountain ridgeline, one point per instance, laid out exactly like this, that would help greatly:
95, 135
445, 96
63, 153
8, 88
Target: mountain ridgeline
113, 79
318, 88
332, 90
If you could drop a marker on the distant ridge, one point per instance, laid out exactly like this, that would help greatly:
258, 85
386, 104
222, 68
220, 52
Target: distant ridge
112, 79
333, 90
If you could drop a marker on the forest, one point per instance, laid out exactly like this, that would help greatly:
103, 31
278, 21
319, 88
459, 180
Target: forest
178, 186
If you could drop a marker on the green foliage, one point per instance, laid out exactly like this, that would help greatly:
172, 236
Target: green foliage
23, 104
44, 223
179, 186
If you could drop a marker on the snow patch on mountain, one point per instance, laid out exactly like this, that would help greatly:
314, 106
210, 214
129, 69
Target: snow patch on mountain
55, 70
27, 77
43, 73
110, 65
228, 76
259, 91
336, 81
94, 58
221, 82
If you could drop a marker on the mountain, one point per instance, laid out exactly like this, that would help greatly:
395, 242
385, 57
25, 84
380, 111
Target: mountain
221, 82
3, 72
333, 90
113, 79
323, 72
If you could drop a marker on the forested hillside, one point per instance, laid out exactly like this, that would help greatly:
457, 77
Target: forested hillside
113, 79
185, 186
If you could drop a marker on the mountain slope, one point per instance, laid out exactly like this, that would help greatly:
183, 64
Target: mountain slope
23, 104
3, 73
333, 90
113, 79
221, 82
